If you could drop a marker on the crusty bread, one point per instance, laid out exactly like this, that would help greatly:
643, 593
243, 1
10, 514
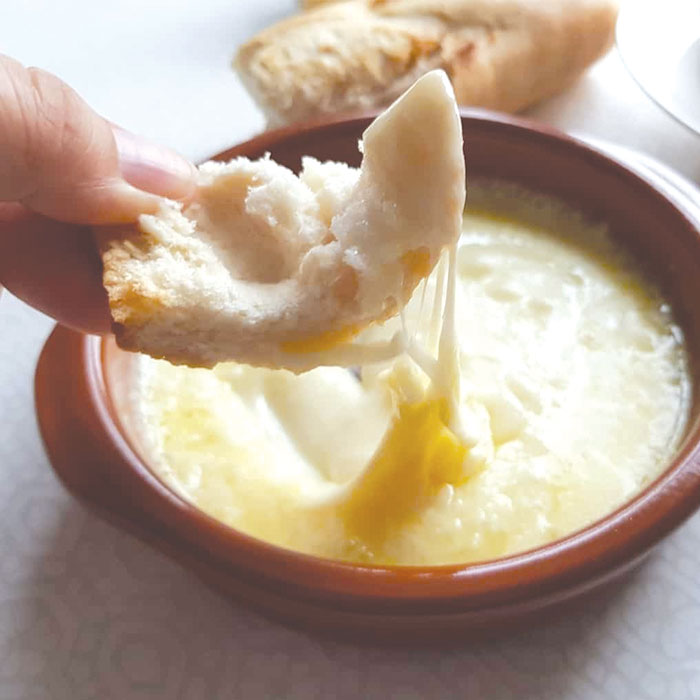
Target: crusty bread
311, 4
272, 269
360, 54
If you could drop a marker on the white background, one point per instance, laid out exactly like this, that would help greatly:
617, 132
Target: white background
86, 612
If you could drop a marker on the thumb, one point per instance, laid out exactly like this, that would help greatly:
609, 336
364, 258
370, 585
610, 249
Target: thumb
60, 158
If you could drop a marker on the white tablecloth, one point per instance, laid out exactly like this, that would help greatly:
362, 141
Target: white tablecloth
86, 612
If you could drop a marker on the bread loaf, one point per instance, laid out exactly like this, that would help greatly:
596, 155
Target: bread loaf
357, 55
311, 4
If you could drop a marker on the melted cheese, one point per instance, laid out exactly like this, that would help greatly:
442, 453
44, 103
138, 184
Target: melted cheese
542, 383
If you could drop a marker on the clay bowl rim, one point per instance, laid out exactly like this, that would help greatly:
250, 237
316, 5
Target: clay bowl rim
619, 539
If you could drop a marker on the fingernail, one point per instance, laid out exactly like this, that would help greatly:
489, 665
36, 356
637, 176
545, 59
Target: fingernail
152, 167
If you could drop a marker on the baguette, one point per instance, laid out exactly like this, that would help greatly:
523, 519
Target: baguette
311, 4
276, 270
358, 55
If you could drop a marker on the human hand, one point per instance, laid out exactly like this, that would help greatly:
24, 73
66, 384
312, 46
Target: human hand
64, 168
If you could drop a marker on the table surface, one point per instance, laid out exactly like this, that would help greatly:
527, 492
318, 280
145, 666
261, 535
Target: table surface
87, 612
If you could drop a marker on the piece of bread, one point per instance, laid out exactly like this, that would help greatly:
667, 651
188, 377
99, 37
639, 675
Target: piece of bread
311, 4
359, 55
271, 269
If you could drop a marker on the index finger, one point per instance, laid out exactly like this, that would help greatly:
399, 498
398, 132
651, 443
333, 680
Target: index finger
54, 267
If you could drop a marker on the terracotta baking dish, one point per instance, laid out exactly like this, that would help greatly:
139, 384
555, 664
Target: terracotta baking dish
83, 393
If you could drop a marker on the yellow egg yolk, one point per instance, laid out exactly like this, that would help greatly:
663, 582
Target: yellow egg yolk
418, 455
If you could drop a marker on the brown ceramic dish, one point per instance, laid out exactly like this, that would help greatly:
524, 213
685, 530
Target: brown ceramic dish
82, 396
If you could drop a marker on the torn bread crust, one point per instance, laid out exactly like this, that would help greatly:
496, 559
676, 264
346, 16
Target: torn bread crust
276, 270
